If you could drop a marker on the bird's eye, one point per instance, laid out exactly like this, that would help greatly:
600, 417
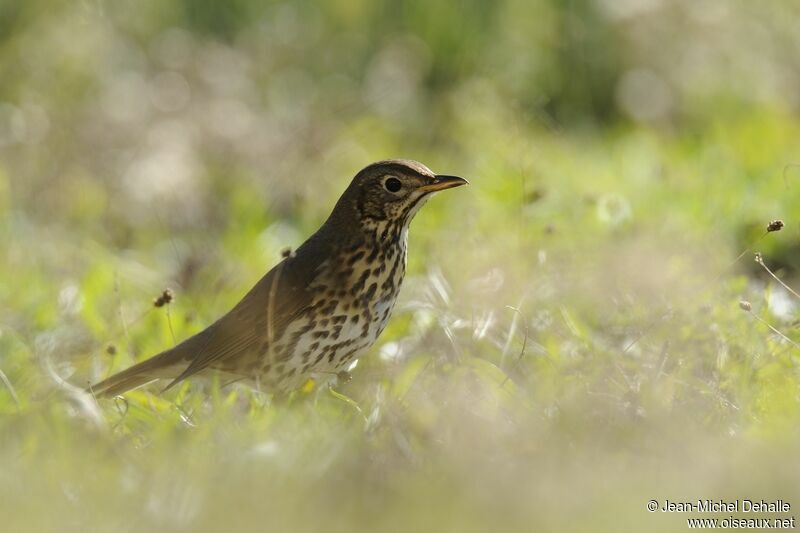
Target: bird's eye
392, 185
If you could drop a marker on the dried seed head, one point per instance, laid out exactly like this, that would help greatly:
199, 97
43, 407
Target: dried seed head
744, 305
111, 349
758, 259
165, 298
775, 225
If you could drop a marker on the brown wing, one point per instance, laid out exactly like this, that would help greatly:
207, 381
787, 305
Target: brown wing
258, 319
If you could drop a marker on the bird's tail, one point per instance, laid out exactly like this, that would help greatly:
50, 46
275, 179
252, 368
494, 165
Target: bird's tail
167, 364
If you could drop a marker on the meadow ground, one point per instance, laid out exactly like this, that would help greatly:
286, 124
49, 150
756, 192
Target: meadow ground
584, 329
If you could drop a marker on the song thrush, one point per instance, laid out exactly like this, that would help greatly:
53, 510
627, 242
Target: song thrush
321, 306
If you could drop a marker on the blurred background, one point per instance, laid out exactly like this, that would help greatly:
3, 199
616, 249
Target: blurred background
570, 342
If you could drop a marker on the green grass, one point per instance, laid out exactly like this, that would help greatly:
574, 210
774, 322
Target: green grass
625, 371
569, 343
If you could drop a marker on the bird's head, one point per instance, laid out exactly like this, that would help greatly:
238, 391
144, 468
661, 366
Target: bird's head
392, 192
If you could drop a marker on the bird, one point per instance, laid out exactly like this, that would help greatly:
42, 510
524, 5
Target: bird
321, 306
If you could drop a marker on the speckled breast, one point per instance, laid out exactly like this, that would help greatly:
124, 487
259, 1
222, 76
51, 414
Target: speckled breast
356, 295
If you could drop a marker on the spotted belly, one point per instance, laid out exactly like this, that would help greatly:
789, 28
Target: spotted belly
355, 304
323, 346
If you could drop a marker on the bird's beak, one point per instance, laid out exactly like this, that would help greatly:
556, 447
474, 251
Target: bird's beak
441, 183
